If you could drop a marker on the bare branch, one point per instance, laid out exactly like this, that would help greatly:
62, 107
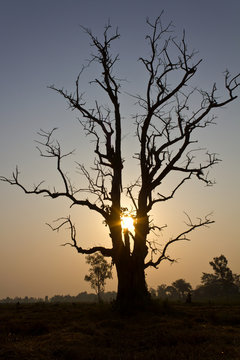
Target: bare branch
53, 194
166, 128
67, 221
52, 149
181, 237
168, 197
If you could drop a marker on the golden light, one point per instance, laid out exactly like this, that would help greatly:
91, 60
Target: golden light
127, 223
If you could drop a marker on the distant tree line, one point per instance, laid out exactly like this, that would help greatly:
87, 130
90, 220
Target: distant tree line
221, 284
24, 300
81, 297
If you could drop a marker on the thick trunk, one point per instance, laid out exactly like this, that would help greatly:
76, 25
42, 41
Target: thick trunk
132, 288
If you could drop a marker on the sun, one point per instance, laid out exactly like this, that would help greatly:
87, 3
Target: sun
127, 223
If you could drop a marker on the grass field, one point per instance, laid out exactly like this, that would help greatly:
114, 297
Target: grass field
90, 331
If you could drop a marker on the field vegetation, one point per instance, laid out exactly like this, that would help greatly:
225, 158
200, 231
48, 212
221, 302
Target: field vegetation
65, 331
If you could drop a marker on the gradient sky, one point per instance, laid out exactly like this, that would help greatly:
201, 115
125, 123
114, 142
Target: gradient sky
42, 44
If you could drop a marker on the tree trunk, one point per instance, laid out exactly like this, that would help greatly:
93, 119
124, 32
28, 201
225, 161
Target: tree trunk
132, 288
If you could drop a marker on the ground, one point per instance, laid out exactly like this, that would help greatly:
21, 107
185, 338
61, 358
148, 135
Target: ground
91, 331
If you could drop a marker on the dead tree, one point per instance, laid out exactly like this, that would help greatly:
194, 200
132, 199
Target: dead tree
165, 130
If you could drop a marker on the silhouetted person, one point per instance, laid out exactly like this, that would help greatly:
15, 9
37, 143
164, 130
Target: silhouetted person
189, 298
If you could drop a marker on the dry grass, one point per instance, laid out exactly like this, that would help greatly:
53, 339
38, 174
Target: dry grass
90, 331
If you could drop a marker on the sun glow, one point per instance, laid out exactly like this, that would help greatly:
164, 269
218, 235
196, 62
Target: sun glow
127, 223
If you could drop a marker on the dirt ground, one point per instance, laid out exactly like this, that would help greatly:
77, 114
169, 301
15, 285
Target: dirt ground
90, 331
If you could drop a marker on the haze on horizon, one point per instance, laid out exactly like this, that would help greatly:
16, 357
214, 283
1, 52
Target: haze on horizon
42, 44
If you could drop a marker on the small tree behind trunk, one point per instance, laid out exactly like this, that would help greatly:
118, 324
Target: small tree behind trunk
99, 272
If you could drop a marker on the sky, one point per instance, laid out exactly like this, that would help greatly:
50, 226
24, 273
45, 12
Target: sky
42, 44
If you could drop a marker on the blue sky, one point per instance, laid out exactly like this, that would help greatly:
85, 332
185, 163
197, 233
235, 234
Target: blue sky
42, 44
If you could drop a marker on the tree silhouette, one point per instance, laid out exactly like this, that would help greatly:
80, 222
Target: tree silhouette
221, 271
222, 282
161, 291
182, 287
99, 271
171, 292
168, 117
